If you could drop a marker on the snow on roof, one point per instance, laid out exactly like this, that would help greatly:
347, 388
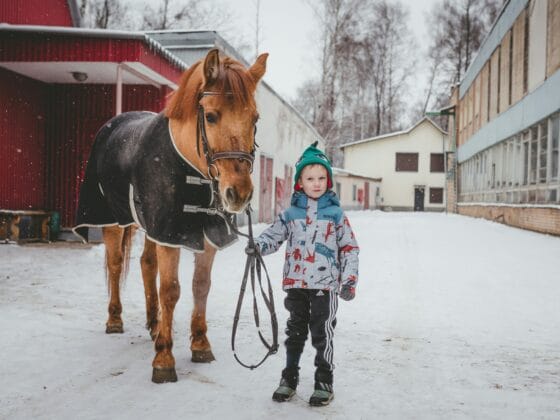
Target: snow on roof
340, 171
395, 133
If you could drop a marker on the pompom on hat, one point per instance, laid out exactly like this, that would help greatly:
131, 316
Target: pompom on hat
313, 156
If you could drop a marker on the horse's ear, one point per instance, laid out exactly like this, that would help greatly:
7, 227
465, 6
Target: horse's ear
257, 70
211, 66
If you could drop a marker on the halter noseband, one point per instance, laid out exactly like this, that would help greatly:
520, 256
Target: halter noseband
212, 157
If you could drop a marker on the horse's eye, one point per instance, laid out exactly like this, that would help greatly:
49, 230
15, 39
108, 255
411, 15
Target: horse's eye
211, 117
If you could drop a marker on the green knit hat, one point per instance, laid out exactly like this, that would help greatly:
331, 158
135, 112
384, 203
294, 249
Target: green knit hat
311, 156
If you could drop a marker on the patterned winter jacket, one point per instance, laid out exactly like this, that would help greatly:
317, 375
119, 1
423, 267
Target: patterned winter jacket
321, 250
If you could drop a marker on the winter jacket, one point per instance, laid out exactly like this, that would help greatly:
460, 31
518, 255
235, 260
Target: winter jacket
321, 250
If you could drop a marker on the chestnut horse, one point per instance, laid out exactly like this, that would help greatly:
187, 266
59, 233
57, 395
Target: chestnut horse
211, 122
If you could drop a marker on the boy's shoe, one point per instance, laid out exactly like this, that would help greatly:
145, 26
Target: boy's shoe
322, 395
288, 384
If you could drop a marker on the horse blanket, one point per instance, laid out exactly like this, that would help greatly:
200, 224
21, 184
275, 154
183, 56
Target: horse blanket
136, 175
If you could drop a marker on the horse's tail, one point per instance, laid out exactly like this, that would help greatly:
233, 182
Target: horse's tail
125, 248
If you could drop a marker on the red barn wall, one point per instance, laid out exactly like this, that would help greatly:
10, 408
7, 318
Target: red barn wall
36, 12
22, 142
76, 112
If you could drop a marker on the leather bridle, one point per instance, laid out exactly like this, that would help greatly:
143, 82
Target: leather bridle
211, 156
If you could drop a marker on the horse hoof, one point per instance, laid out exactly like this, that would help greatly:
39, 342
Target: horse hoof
114, 329
162, 375
202, 356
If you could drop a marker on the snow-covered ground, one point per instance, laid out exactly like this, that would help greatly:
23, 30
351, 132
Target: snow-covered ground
454, 318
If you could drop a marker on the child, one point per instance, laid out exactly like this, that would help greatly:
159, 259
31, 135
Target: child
321, 262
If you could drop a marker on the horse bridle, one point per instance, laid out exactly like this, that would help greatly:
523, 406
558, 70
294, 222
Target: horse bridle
211, 156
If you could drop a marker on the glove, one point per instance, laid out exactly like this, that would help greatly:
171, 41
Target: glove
347, 292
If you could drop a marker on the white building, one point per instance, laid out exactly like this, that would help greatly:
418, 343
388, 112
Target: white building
356, 191
411, 164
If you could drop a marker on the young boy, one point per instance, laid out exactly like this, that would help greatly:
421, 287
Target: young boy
321, 262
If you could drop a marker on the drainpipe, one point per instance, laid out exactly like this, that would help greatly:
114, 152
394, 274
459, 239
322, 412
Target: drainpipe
118, 107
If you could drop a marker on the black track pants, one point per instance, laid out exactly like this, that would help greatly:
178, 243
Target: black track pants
315, 311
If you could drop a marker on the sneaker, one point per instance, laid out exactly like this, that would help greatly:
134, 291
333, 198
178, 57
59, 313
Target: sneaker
322, 395
288, 384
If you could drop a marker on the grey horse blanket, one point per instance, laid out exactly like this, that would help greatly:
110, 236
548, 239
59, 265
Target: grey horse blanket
135, 175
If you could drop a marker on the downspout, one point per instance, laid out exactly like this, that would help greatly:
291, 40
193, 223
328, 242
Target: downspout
119, 90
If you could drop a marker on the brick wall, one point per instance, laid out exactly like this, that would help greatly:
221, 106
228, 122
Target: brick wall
544, 220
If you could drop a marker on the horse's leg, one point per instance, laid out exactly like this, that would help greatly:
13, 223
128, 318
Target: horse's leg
149, 265
113, 237
200, 346
169, 291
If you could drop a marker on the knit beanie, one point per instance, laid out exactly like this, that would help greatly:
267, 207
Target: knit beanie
311, 156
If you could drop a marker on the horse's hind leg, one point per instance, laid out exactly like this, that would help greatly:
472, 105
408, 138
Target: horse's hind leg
200, 346
169, 291
113, 239
149, 265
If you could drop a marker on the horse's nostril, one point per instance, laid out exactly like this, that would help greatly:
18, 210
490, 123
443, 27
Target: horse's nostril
231, 194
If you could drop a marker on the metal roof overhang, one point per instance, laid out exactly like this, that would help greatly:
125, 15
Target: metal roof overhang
51, 61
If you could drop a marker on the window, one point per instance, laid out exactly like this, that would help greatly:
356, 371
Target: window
354, 193
534, 154
526, 157
436, 195
555, 134
337, 189
407, 162
436, 162
543, 150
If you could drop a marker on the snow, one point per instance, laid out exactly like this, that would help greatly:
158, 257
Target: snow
454, 318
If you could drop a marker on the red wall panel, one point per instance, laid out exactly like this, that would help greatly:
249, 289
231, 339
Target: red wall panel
76, 112
22, 142
36, 12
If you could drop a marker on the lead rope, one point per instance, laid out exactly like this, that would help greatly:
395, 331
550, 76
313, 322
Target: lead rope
254, 264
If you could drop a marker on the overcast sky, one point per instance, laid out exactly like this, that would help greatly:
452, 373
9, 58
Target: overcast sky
289, 33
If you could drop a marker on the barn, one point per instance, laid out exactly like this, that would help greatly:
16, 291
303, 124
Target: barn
60, 82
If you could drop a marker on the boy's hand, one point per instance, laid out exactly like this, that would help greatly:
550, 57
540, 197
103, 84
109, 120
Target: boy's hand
347, 292
251, 250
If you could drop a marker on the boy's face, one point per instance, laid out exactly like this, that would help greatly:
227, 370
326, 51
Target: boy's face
313, 180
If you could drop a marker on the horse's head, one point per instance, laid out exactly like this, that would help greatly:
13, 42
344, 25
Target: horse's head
216, 98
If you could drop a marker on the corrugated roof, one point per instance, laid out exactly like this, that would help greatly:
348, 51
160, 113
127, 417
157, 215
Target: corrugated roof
98, 33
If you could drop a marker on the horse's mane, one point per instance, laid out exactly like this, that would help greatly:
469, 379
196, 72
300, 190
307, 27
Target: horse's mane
232, 78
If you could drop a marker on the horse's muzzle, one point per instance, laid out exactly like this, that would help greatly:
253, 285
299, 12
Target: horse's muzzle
234, 202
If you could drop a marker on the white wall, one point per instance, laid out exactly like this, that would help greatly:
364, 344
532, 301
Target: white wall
377, 159
282, 135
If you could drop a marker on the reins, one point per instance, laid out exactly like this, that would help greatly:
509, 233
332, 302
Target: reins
255, 264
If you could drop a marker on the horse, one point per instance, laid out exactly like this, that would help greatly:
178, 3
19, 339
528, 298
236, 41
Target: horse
180, 176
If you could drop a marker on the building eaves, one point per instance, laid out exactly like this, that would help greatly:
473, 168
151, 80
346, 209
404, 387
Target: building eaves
395, 133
